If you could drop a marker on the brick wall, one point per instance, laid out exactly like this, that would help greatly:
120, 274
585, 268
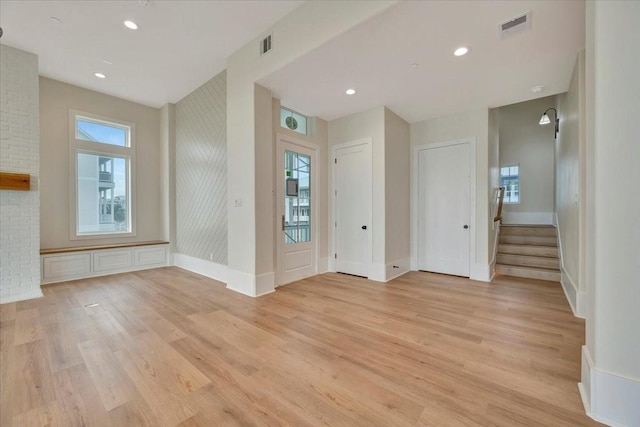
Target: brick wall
19, 153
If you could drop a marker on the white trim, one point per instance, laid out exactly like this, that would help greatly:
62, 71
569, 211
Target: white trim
521, 218
250, 285
32, 293
480, 272
333, 207
323, 265
476, 272
282, 140
571, 290
77, 146
92, 266
209, 269
377, 272
496, 242
403, 268
609, 398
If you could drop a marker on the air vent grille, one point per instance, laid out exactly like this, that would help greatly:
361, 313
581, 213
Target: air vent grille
265, 45
515, 25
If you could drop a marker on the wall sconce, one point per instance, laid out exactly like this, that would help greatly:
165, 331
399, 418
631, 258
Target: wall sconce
545, 120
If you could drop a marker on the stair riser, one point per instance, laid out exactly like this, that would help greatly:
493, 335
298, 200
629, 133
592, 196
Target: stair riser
529, 240
546, 251
528, 261
527, 231
530, 274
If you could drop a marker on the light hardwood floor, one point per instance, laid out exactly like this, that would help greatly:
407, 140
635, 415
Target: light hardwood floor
166, 347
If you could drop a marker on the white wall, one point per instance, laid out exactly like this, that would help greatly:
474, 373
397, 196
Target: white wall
369, 124
494, 183
397, 194
458, 126
56, 99
523, 141
317, 135
201, 172
306, 28
19, 153
570, 173
611, 372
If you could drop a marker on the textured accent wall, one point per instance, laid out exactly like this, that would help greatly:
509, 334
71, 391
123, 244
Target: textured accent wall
201, 172
19, 153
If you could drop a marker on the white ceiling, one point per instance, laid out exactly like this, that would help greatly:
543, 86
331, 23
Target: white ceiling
179, 44
375, 58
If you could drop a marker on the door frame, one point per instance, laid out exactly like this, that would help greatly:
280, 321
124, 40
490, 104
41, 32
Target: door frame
333, 206
281, 140
415, 188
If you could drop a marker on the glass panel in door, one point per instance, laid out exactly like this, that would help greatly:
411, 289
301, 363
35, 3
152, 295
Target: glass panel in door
297, 198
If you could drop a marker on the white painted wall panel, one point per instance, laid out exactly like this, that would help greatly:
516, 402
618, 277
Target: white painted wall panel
201, 172
19, 153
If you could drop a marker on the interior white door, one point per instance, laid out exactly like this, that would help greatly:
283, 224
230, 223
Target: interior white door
443, 209
353, 209
296, 209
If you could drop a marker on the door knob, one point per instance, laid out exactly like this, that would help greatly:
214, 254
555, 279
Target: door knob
465, 226
364, 227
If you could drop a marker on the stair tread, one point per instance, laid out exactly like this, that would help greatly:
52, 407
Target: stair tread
527, 255
553, 270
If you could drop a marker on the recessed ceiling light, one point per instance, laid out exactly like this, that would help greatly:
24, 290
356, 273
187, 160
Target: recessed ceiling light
461, 51
131, 25
537, 89
350, 91
100, 75
106, 61
414, 65
56, 20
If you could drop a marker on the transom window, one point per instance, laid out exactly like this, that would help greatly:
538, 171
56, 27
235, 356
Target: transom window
103, 158
294, 121
103, 132
510, 180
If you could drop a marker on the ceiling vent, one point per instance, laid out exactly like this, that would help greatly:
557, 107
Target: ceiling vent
515, 25
265, 45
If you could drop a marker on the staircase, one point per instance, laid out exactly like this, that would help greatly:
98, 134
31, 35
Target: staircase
528, 251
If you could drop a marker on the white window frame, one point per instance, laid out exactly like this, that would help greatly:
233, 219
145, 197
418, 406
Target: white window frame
510, 165
77, 146
283, 108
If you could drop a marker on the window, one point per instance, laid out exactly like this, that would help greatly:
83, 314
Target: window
510, 180
294, 121
103, 158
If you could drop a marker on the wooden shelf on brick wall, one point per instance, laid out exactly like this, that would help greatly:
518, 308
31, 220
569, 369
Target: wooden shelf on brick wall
15, 181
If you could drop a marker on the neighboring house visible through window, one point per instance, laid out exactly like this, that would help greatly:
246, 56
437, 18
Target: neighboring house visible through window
510, 180
102, 156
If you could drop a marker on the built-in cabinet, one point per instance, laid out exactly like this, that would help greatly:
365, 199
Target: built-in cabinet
63, 266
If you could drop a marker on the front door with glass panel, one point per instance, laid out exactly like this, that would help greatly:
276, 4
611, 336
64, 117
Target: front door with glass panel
296, 240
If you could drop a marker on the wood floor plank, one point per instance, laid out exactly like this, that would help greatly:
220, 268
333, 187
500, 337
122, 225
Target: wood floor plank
166, 347
113, 384
27, 327
32, 384
79, 398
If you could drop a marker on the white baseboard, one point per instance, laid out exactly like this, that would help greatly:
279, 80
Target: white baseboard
248, 284
396, 268
527, 217
265, 284
480, 272
203, 267
575, 298
378, 272
323, 265
609, 398
30, 293
570, 291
